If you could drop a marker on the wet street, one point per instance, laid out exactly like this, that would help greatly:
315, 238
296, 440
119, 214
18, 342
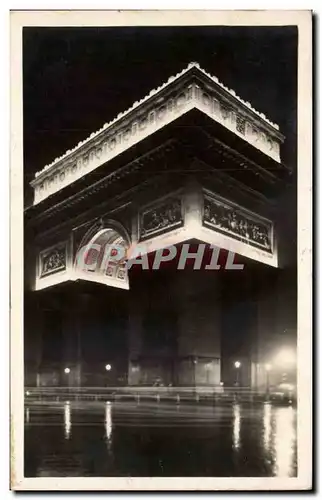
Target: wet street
159, 439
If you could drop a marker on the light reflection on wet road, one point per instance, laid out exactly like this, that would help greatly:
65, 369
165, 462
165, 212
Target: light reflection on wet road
128, 439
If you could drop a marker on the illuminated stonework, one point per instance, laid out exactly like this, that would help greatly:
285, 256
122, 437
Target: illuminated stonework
53, 260
193, 88
237, 223
161, 218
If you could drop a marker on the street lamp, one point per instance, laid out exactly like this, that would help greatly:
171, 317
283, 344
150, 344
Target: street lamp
108, 367
67, 370
237, 365
194, 361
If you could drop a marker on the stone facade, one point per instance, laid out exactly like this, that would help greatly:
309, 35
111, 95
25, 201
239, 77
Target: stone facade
190, 163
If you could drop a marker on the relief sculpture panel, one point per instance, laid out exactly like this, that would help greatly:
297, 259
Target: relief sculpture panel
237, 223
53, 260
161, 218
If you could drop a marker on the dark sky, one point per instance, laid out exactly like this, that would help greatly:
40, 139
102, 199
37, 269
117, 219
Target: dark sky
76, 79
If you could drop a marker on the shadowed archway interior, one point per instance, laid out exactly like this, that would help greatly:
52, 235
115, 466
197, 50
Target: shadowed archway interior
101, 258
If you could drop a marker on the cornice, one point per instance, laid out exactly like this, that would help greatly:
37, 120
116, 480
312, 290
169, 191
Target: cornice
191, 88
101, 184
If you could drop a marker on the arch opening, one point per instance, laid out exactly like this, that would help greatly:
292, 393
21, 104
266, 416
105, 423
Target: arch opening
102, 259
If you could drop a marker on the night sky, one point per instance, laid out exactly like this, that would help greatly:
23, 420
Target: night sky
77, 79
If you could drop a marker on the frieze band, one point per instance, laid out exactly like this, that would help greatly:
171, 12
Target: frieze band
162, 218
123, 135
234, 120
237, 224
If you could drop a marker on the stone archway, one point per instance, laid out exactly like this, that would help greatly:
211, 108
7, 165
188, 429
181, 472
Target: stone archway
101, 256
